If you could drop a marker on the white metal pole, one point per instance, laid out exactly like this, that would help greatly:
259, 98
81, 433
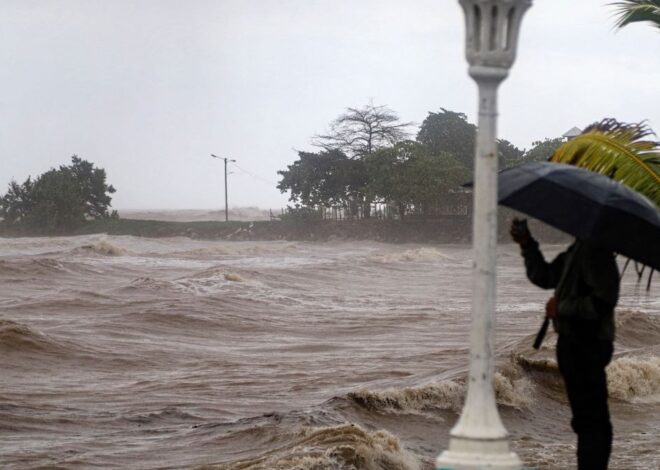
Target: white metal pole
479, 439
481, 418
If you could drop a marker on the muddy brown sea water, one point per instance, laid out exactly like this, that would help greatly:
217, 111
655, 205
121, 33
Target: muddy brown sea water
122, 352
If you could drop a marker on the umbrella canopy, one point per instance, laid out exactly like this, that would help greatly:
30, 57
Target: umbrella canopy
587, 205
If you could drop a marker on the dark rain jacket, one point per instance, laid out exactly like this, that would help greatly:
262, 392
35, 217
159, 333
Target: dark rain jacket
586, 282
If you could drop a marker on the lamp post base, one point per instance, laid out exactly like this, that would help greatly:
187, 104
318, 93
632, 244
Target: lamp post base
478, 454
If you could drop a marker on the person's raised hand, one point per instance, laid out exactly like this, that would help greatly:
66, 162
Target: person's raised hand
519, 232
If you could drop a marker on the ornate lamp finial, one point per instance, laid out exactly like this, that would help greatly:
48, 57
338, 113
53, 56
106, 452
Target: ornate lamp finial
492, 28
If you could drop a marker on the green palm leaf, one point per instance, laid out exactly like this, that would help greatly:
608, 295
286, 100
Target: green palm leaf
619, 151
634, 11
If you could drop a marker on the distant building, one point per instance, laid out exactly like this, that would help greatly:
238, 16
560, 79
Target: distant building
573, 132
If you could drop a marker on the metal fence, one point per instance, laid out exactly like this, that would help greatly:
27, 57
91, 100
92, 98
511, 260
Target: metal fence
451, 205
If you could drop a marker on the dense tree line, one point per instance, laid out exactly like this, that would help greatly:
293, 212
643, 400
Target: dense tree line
368, 156
59, 200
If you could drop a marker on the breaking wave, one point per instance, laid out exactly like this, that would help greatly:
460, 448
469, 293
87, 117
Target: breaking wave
104, 248
32, 267
15, 337
342, 447
541, 364
170, 414
411, 255
634, 373
516, 392
209, 251
445, 395
634, 379
205, 283
232, 249
208, 282
149, 283
233, 277
637, 329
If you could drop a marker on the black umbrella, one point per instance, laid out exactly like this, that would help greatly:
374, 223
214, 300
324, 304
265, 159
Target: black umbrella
586, 205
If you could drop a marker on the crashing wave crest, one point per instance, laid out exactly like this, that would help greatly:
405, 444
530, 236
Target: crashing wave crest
15, 338
516, 392
445, 395
342, 447
634, 378
105, 248
413, 254
233, 277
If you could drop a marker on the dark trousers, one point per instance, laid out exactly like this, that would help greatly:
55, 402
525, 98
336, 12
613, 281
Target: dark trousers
582, 362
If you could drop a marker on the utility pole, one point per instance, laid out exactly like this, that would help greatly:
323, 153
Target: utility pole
226, 200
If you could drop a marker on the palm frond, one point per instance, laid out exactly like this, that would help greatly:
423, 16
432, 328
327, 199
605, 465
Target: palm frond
620, 151
634, 11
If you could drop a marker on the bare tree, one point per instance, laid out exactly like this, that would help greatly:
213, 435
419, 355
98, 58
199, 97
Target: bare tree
359, 132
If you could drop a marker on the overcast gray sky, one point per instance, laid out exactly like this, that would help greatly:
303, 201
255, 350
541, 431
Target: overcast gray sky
148, 89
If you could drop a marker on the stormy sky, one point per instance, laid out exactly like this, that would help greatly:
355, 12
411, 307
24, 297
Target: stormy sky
148, 89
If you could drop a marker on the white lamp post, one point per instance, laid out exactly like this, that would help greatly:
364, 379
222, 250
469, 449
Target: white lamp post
479, 440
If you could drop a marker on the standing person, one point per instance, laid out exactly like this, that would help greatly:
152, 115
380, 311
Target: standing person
585, 278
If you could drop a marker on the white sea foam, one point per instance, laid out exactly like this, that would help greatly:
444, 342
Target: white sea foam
234, 277
634, 379
517, 392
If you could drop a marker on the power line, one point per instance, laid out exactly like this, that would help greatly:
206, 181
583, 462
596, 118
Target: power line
266, 180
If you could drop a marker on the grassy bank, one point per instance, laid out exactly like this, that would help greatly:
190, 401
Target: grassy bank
448, 230
317, 230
